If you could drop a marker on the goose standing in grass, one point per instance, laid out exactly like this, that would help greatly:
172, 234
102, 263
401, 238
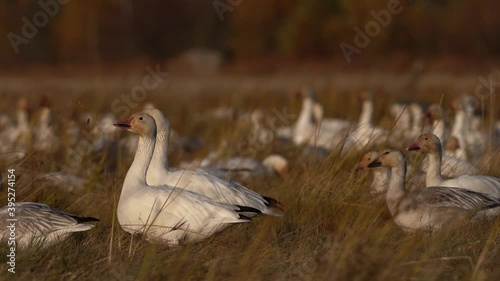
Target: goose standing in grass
430, 145
416, 120
311, 128
429, 208
215, 188
402, 121
166, 213
40, 224
44, 136
365, 133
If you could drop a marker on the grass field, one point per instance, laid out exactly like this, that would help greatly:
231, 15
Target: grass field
333, 228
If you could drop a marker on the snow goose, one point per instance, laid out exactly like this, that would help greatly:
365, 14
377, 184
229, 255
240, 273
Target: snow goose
429, 208
458, 130
417, 118
402, 120
40, 225
311, 128
435, 113
213, 187
380, 176
166, 213
365, 133
44, 136
245, 168
430, 144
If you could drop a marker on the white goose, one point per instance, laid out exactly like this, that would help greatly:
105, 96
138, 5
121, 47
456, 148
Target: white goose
165, 213
430, 144
436, 114
365, 133
215, 188
417, 118
429, 208
245, 168
402, 121
40, 225
44, 136
311, 128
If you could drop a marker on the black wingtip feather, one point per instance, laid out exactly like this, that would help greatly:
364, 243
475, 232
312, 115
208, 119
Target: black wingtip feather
84, 219
246, 209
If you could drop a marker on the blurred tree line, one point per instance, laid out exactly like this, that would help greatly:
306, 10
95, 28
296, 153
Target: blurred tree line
112, 30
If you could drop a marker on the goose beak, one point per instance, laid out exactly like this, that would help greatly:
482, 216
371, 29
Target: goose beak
413, 146
125, 124
375, 163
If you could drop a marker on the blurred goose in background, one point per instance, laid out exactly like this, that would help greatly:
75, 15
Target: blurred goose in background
417, 117
312, 129
215, 188
365, 133
380, 176
166, 213
474, 137
431, 146
402, 121
44, 135
458, 132
429, 208
435, 114
41, 225
246, 169
67, 182
17, 138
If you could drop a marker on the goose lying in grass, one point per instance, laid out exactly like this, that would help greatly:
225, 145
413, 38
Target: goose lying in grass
40, 225
213, 187
246, 169
166, 213
429, 208
430, 144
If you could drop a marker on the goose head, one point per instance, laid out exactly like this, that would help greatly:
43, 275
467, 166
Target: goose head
389, 158
452, 144
366, 159
434, 112
277, 163
140, 123
158, 116
304, 93
426, 143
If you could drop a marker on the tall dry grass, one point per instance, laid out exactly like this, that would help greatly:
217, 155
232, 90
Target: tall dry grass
333, 228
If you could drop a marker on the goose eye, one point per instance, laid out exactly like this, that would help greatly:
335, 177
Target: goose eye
426, 138
369, 158
387, 152
140, 118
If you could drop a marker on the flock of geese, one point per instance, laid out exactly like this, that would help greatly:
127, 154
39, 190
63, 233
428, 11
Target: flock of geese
179, 205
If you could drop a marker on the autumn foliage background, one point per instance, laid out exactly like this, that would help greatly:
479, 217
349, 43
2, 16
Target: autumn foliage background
97, 31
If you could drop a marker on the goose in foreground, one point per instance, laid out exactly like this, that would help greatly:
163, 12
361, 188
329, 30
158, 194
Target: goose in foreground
429, 208
430, 144
165, 213
40, 225
211, 186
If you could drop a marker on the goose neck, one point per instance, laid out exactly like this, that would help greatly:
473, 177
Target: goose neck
136, 175
396, 190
